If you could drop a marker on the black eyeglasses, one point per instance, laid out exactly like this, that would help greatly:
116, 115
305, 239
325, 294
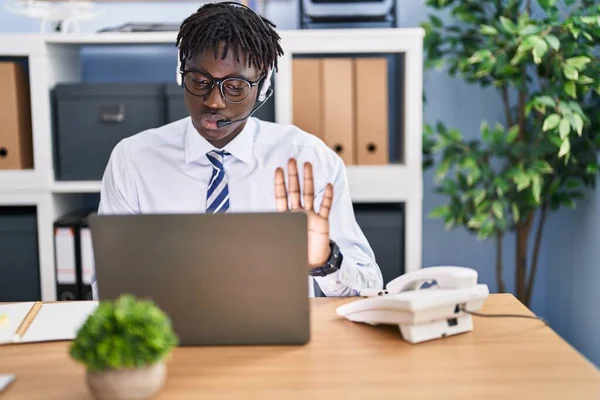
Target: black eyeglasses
234, 90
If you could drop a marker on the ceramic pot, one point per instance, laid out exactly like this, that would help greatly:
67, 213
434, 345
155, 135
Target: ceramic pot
131, 384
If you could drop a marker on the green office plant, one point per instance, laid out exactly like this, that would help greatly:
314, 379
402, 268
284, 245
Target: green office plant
124, 345
542, 58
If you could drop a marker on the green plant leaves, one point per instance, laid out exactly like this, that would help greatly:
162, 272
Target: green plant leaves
125, 333
540, 47
551, 122
488, 30
564, 128
552, 131
578, 62
571, 72
570, 89
553, 42
565, 148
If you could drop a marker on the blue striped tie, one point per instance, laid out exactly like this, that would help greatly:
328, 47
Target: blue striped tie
217, 196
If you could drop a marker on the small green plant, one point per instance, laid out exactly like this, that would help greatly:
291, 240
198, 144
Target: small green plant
124, 333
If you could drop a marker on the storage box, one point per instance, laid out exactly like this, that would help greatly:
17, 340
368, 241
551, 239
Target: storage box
16, 140
91, 118
19, 257
383, 225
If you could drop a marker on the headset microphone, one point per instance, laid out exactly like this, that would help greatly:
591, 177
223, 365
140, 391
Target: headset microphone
226, 122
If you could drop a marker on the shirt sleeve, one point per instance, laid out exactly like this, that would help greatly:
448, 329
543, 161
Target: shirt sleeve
118, 193
359, 268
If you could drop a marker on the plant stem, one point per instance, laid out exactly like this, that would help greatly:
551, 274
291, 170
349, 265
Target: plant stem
522, 99
506, 102
522, 238
499, 262
536, 251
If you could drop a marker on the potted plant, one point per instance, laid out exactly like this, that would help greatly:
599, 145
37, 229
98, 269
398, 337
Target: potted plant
124, 344
542, 57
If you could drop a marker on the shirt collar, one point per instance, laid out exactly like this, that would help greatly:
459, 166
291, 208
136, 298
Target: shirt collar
241, 147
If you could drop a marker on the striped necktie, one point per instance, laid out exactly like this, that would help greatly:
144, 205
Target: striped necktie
217, 196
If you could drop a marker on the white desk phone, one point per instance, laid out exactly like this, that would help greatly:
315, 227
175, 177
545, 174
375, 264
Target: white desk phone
422, 314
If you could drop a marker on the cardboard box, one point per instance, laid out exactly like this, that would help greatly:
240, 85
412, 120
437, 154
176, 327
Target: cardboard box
16, 139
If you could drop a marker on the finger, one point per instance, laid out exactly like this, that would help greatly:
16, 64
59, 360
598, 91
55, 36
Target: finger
327, 201
294, 184
309, 187
281, 199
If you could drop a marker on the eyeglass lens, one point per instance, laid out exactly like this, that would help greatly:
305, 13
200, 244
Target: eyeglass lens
200, 84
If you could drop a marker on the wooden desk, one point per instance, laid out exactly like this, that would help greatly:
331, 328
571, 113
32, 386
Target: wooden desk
503, 358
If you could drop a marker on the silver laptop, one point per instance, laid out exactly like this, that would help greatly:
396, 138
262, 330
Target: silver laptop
223, 279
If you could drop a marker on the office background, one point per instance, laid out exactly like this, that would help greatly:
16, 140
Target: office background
566, 291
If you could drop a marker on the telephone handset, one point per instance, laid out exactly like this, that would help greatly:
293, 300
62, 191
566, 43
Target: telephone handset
448, 277
422, 314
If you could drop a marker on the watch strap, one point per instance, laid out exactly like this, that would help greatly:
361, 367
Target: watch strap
333, 264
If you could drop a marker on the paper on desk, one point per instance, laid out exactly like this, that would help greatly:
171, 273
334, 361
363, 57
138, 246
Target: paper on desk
12, 315
55, 321
5, 380
59, 321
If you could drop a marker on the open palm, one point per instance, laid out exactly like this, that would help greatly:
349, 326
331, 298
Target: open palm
318, 222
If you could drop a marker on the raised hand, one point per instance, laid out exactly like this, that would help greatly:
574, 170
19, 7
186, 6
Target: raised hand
318, 222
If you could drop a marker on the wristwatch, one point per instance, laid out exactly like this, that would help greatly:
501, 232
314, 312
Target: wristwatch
333, 263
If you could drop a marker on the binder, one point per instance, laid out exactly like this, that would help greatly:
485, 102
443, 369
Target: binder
16, 140
338, 104
74, 256
372, 114
307, 104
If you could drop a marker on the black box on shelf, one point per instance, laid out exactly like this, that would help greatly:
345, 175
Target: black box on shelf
383, 224
19, 256
175, 103
91, 118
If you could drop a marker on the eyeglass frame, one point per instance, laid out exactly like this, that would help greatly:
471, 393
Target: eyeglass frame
219, 83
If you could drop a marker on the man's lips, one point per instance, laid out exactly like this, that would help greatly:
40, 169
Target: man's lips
209, 121
212, 117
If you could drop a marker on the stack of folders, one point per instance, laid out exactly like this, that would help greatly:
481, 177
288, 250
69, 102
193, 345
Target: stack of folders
74, 256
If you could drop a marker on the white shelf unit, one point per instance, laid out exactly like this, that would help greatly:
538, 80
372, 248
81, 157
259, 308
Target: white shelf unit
55, 58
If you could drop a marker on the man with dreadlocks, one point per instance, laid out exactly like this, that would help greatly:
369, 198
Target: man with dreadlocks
221, 159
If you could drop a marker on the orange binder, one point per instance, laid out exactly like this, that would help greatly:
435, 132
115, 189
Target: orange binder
372, 114
307, 105
16, 141
338, 105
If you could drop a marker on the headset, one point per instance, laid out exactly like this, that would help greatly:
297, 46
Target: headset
266, 91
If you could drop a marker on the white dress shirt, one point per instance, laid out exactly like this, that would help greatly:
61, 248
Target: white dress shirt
166, 170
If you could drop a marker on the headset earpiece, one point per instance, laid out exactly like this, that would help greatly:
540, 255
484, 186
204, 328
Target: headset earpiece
266, 84
178, 72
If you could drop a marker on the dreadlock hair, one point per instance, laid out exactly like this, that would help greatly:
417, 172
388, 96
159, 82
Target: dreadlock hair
236, 27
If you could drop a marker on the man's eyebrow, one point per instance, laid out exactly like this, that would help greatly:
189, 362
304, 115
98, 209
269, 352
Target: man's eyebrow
200, 69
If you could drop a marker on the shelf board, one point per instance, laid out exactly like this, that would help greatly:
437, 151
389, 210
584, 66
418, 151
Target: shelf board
376, 183
76, 187
20, 45
384, 183
113, 38
303, 40
19, 180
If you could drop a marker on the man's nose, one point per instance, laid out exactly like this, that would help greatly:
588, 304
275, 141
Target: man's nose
214, 99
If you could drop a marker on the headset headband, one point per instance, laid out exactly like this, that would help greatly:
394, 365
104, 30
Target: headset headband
265, 85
